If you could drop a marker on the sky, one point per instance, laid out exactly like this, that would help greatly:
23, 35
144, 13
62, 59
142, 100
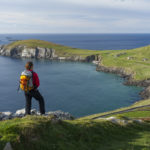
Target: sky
74, 16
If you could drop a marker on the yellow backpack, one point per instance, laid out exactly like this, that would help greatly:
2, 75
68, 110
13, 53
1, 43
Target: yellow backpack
26, 80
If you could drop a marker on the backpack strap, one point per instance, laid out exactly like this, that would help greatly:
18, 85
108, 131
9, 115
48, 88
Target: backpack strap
34, 86
18, 86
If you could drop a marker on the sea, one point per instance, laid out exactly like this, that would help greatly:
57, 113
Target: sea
86, 41
72, 87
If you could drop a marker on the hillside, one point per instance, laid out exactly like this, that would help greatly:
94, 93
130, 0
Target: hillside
36, 133
62, 51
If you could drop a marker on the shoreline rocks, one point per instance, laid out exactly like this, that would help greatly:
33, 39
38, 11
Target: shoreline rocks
145, 94
59, 115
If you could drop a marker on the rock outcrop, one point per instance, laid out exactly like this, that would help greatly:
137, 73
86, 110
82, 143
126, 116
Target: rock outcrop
59, 115
146, 93
25, 52
22, 51
122, 122
119, 71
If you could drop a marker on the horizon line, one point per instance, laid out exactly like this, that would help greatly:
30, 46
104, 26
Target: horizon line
76, 33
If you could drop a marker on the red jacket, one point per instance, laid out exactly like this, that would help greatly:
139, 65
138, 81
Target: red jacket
36, 81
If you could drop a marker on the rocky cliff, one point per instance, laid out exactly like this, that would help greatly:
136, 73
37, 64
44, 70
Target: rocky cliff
22, 51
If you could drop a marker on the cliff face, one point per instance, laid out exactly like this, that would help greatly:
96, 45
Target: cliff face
44, 53
24, 52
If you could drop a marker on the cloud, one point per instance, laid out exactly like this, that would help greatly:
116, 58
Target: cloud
68, 16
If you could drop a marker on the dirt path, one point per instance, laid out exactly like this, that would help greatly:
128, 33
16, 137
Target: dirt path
119, 112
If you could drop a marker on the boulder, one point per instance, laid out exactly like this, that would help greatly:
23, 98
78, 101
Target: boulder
19, 113
6, 115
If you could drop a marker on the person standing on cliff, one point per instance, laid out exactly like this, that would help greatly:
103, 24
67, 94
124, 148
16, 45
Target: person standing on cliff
29, 83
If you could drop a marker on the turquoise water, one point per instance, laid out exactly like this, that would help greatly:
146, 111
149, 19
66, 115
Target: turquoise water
68, 86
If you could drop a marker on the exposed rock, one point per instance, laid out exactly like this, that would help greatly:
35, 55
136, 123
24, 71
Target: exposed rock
25, 52
143, 83
93, 58
120, 54
8, 146
62, 58
128, 76
130, 58
122, 122
1, 46
59, 115
117, 121
20, 112
146, 93
119, 71
5, 115
95, 62
144, 59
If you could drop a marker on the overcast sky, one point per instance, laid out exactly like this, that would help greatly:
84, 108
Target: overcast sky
74, 16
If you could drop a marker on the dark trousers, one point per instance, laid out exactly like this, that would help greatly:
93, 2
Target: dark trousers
35, 94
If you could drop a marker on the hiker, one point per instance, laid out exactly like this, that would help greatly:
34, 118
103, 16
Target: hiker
29, 83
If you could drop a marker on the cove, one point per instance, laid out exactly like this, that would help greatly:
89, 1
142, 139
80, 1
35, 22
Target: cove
72, 87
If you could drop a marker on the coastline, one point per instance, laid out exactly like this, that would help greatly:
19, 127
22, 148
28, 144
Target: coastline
53, 53
145, 94
128, 77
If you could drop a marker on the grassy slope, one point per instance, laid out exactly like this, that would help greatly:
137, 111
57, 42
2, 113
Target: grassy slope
137, 113
36, 133
137, 66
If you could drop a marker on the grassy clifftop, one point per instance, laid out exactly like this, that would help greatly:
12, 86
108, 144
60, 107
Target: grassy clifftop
36, 133
60, 49
135, 61
40, 132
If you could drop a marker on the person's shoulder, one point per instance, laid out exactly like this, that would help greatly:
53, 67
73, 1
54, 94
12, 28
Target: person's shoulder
25, 72
34, 73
